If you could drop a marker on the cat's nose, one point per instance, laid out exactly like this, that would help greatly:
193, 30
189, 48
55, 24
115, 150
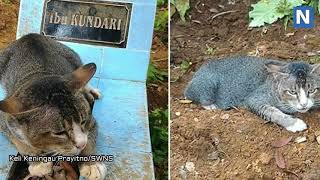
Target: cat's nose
304, 105
81, 145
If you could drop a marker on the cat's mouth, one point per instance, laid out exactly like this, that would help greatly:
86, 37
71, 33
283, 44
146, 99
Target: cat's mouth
303, 110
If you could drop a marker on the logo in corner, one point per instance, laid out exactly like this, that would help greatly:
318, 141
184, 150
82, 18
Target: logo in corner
303, 17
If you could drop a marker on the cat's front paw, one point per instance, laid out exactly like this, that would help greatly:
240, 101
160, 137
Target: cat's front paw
95, 93
299, 125
96, 171
40, 169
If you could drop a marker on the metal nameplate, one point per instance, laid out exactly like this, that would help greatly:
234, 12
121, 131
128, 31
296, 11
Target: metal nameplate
93, 22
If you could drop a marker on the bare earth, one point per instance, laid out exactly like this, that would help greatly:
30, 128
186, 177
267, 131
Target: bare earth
236, 144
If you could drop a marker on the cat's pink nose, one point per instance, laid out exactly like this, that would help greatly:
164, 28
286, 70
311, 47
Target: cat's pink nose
81, 145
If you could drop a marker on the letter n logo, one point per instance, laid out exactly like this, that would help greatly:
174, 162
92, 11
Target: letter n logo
303, 17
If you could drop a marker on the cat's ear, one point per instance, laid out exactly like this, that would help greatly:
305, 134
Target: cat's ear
11, 105
276, 68
81, 76
315, 69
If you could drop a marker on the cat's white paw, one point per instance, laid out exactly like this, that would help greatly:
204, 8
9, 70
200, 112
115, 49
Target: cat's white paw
210, 107
96, 93
299, 125
40, 169
96, 171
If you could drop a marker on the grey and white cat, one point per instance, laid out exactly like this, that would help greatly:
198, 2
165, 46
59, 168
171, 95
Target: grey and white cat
48, 105
272, 89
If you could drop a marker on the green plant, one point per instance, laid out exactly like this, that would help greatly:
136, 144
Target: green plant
162, 2
182, 6
185, 65
314, 59
161, 21
269, 11
156, 75
209, 50
159, 139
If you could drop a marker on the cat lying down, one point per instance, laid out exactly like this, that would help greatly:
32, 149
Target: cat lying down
272, 89
48, 104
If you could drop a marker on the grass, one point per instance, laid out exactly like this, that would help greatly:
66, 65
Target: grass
159, 139
158, 119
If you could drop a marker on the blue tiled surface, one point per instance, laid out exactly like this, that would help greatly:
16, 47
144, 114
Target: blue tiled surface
122, 113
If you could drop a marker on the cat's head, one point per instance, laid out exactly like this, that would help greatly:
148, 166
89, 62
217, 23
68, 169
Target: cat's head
297, 84
52, 113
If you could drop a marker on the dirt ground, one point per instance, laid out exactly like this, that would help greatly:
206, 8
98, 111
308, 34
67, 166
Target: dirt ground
8, 22
236, 144
158, 92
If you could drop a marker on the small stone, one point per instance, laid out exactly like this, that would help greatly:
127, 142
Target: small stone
178, 113
221, 6
213, 156
213, 10
308, 162
196, 119
183, 172
265, 158
225, 117
300, 139
185, 101
190, 166
215, 141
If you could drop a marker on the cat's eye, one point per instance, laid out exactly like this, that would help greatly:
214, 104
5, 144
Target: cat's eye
61, 133
291, 92
312, 91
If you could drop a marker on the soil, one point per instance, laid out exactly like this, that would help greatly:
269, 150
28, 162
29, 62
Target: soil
236, 144
8, 22
158, 92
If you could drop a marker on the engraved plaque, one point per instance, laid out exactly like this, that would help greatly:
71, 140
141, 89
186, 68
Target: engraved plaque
92, 22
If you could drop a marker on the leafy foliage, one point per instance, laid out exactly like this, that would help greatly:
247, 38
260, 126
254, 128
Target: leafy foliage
161, 21
209, 50
185, 65
155, 75
269, 11
159, 138
158, 118
314, 3
182, 6
162, 2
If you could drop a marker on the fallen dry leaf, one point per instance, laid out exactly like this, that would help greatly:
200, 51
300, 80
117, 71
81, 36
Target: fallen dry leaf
280, 160
185, 101
289, 34
281, 142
